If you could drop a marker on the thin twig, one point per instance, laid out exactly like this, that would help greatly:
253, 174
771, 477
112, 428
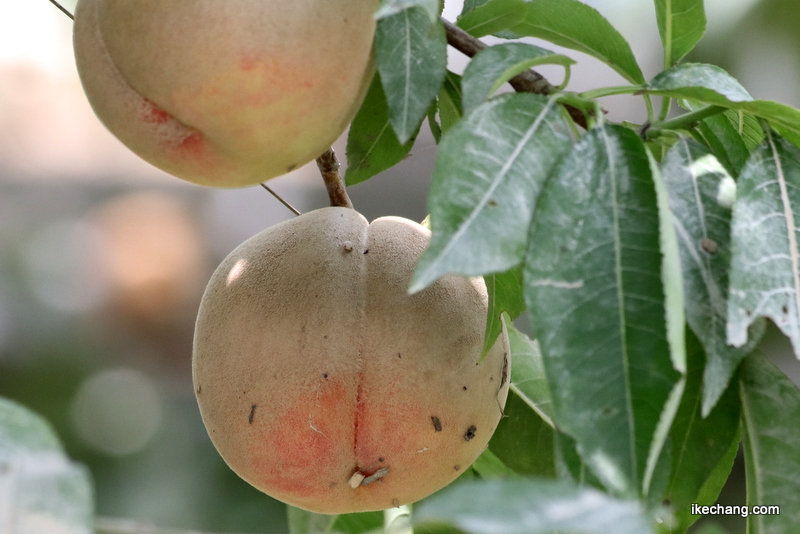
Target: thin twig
528, 81
329, 168
274, 194
63, 9
107, 525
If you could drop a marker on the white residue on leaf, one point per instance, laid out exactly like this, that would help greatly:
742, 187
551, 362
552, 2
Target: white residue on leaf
560, 284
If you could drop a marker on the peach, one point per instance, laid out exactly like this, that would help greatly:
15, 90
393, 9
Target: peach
324, 384
225, 94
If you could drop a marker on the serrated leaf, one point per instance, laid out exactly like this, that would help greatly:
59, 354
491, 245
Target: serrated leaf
699, 443
575, 25
702, 82
358, 523
372, 145
523, 441
412, 60
489, 170
710, 491
505, 296
570, 465
765, 265
393, 7
492, 17
450, 107
699, 189
671, 275
771, 417
42, 491
531, 507
528, 380
433, 124
731, 136
489, 466
305, 522
681, 24
470, 5
495, 65
712, 85
727, 145
593, 287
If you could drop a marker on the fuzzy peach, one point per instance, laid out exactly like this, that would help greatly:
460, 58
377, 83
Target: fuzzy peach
225, 94
324, 384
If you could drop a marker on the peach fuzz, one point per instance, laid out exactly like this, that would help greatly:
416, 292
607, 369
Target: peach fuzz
324, 384
225, 94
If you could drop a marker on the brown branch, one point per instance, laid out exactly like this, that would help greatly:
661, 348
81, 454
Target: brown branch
529, 81
329, 168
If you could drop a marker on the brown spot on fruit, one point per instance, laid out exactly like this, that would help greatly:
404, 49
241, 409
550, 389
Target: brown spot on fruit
470, 433
199, 389
464, 388
437, 425
457, 467
252, 414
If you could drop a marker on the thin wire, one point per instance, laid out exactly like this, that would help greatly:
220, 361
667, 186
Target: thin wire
274, 194
63, 9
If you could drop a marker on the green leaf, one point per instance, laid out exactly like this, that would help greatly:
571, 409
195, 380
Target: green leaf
489, 466
575, 25
671, 275
523, 441
450, 108
699, 81
531, 507
358, 523
42, 491
700, 192
505, 296
771, 416
710, 491
593, 288
712, 85
492, 17
698, 443
681, 24
393, 7
305, 522
731, 136
372, 145
727, 145
412, 61
570, 465
528, 379
495, 65
765, 264
524, 438
433, 124
470, 5
489, 170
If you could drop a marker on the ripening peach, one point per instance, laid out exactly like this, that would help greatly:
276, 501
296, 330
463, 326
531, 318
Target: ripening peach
324, 384
225, 94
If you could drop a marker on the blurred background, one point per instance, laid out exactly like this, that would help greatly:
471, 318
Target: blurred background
103, 258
